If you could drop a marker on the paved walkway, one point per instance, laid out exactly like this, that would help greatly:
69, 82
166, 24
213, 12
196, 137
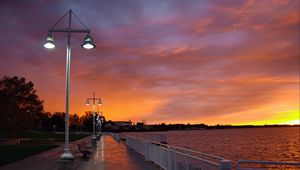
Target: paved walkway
109, 155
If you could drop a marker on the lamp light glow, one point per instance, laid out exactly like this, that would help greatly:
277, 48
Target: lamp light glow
88, 42
49, 43
87, 102
99, 102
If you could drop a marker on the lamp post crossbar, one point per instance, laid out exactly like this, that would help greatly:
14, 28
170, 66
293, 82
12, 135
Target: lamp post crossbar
94, 99
69, 30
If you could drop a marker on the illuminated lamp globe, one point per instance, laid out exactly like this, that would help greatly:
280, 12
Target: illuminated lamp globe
88, 42
87, 102
49, 43
99, 102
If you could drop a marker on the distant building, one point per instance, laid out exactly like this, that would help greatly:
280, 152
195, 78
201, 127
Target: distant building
142, 126
116, 125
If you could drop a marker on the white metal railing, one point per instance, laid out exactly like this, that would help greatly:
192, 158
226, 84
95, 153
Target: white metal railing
116, 136
254, 165
176, 158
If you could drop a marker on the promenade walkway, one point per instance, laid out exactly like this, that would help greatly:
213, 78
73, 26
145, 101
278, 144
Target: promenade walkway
109, 155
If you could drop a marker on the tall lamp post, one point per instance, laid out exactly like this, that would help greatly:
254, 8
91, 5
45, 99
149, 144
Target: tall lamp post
87, 44
94, 100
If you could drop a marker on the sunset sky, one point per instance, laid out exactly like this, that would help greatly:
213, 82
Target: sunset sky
172, 61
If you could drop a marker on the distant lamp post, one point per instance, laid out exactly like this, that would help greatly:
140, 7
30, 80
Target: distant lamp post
94, 99
99, 123
49, 44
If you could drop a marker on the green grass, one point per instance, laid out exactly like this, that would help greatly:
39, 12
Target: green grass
43, 135
12, 153
74, 137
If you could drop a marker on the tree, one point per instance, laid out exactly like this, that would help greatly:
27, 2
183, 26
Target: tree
87, 121
74, 122
58, 121
46, 123
20, 107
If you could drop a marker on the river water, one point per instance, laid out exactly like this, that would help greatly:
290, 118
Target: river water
272, 144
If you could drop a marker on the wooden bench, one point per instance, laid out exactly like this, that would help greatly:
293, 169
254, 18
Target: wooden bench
86, 147
85, 153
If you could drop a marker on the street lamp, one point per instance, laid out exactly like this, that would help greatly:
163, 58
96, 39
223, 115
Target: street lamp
88, 42
49, 43
99, 123
93, 99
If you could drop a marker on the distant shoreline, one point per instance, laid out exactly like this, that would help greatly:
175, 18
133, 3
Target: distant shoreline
179, 127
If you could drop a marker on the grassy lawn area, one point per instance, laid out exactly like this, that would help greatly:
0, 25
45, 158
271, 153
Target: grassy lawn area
43, 135
12, 153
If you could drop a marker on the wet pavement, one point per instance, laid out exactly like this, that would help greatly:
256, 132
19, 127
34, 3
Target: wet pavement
112, 155
109, 155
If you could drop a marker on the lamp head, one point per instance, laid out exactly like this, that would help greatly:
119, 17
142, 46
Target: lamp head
49, 43
99, 102
87, 102
88, 42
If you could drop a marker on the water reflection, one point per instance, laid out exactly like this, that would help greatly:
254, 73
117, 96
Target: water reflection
102, 149
99, 152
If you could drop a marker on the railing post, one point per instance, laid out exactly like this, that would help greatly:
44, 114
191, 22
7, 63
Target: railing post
225, 164
169, 158
147, 151
118, 137
175, 160
187, 163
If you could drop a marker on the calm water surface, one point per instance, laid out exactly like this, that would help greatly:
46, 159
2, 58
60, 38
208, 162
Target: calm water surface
273, 144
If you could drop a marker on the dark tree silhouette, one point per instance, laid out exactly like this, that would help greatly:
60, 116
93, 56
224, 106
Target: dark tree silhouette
74, 122
58, 121
20, 107
46, 123
87, 121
